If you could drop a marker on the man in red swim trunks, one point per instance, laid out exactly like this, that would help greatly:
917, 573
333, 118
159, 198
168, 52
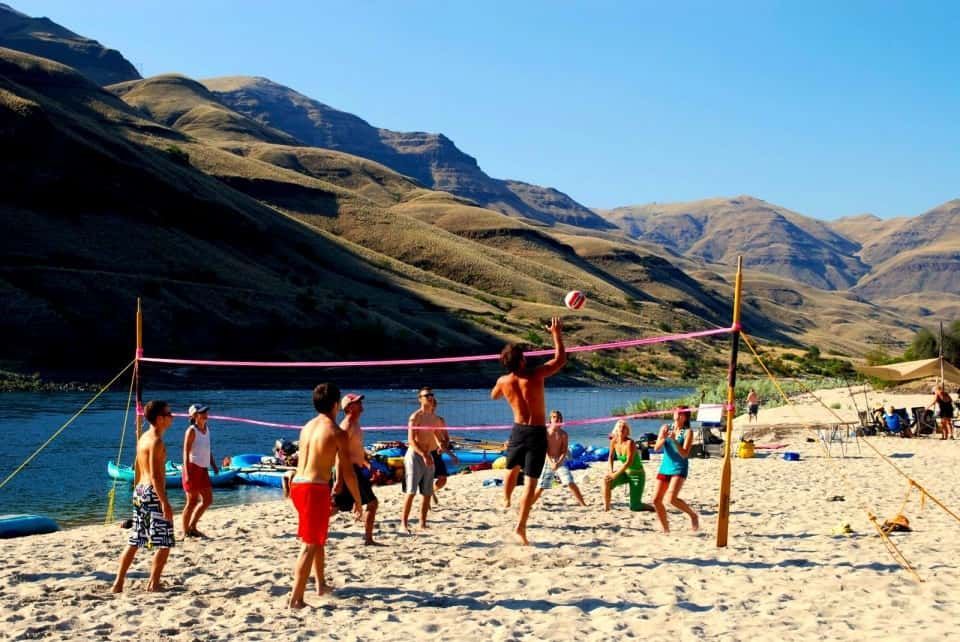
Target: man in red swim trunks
321, 440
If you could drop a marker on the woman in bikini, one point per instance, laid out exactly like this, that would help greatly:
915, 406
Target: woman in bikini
676, 440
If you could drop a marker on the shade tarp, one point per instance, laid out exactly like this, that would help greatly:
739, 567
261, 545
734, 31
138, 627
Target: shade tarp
909, 370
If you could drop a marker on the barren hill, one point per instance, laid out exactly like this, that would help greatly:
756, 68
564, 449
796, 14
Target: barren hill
435, 238
179, 102
97, 212
45, 38
863, 228
431, 159
771, 238
296, 230
936, 226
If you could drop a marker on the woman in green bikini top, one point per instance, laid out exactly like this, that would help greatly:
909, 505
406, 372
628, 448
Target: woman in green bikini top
625, 451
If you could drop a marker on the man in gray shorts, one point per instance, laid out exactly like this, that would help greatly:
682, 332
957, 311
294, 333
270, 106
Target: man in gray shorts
418, 462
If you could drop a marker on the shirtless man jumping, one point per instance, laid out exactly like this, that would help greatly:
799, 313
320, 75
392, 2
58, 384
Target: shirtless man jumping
352, 405
321, 441
523, 389
418, 462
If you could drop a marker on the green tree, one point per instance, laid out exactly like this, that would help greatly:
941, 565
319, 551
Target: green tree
951, 343
923, 346
878, 357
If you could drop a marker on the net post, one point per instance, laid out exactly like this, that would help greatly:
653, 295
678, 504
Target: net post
723, 512
136, 369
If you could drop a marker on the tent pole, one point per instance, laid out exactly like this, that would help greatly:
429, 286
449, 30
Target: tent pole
942, 382
723, 513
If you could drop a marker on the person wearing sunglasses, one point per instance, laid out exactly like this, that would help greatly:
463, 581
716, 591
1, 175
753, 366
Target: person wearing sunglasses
152, 515
418, 463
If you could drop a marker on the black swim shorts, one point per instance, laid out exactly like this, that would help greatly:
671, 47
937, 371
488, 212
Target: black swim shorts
439, 466
344, 500
528, 448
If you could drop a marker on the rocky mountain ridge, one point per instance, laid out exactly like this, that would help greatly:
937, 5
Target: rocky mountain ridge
45, 38
431, 159
867, 255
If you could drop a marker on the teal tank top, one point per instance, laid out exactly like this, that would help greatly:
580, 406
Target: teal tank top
673, 462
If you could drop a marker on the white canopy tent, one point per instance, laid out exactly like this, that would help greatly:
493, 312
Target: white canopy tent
910, 370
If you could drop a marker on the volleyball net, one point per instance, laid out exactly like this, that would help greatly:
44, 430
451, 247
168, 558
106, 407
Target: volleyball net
466, 409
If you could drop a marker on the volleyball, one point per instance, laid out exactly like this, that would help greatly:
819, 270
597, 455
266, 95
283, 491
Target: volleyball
574, 299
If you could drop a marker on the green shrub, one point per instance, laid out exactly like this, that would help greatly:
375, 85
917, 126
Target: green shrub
177, 155
533, 338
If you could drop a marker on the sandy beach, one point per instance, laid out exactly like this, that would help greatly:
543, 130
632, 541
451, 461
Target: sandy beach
589, 575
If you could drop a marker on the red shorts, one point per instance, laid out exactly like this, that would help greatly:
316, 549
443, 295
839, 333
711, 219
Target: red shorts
312, 501
199, 479
667, 478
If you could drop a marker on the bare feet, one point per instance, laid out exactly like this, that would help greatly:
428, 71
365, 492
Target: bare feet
156, 588
323, 588
506, 504
695, 522
298, 604
371, 542
521, 537
405, 527
117, 587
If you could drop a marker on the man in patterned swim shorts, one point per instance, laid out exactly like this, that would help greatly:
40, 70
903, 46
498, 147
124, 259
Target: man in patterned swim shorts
152, 514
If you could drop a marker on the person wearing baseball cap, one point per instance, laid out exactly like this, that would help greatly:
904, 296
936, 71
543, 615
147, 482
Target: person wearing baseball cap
352, 406
197, 456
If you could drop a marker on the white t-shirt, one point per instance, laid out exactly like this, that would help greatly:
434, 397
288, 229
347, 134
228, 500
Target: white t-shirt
200, 451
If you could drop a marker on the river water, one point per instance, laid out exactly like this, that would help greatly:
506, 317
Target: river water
68, 480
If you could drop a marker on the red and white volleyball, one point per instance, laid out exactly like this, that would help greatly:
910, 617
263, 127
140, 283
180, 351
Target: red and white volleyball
574, 299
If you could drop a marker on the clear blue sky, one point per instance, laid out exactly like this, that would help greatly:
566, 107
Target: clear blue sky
829, 108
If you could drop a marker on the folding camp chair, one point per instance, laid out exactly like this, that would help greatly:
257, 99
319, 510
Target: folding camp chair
709, 415
923, 421
870, 424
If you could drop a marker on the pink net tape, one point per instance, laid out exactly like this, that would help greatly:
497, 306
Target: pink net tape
627, 343
574, 422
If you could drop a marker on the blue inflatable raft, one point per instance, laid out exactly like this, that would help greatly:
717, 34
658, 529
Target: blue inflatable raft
263, 475
226, 477
21, 525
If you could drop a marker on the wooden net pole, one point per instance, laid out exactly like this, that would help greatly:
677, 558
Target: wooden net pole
723, 513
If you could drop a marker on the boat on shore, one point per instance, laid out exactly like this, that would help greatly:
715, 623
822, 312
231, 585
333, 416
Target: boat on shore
225, 478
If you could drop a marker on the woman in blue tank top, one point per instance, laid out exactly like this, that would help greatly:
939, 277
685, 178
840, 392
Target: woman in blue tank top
676, 440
